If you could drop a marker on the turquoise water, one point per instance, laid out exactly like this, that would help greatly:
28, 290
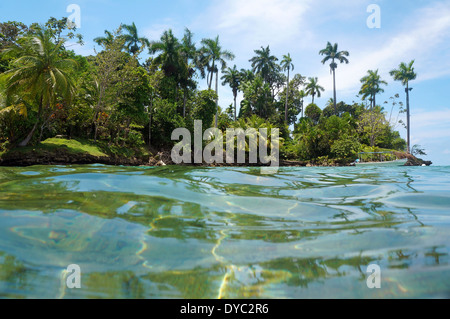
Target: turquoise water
179, 232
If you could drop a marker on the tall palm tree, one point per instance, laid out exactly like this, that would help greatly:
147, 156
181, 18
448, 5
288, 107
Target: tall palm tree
264, 63
287, 65
188, 53
232, 77
214, 56
188, 49
169, 57
302, 95
331, 53
169, 52
371, 86
132, 39
405, 73
106, 40
313, 88
246, 75
40, 70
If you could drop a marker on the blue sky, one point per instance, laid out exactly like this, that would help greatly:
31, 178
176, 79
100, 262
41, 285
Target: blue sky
410, 29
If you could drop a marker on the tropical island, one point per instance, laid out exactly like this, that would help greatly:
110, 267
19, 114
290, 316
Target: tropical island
58, 107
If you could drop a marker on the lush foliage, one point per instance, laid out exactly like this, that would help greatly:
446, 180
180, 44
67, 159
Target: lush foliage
114, 98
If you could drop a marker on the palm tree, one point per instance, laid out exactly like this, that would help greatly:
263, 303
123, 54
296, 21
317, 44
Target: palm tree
232, 77
313, 88
371, 86
188, 52
213, 56
132, 39
106, 40
169, 49
40, 70
286, 64
302, 95
405, 73
331, 53
188, 49
246, 75
170, 57
264, 63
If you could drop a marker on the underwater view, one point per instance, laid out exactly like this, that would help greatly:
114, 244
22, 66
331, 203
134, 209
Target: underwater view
196, 232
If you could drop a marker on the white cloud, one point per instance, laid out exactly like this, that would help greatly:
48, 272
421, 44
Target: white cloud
253, 23
431, 129
84, 50
302, 28
155, 32
436, 119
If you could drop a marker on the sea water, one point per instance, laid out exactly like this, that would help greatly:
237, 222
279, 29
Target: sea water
180, 232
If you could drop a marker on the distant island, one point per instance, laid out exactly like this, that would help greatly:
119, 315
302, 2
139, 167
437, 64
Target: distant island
57, 107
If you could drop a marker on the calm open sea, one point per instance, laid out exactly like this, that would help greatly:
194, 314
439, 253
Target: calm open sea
178, 232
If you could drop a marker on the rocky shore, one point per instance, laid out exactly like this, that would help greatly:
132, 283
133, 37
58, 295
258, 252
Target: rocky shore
412, 160
162, 158
62, 157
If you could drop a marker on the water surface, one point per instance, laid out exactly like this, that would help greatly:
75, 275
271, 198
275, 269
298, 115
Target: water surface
178, 232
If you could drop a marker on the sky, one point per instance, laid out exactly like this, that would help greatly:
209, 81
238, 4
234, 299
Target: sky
408, 30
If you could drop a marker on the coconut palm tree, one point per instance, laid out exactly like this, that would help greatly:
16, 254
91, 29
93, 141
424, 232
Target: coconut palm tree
232, 77
287, 65
371, 86
41, 71
213, 56
188, 53
169, 52
331, 53
106, 40
132, 40
264, 63
246, 75
405, 73
313, 88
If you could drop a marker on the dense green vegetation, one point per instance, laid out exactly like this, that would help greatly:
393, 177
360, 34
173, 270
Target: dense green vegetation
116, 100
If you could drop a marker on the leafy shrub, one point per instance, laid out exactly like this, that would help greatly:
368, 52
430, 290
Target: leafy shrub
313, 112
165, 120
347, 147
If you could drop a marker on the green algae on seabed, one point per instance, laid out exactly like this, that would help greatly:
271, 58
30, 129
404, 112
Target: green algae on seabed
179, 232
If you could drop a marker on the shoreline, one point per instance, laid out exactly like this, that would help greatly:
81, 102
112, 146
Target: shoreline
61, 156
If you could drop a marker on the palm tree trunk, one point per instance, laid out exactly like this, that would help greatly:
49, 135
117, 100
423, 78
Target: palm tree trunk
212, 74
303, 107
184, 102
235, 111
217, 99
408, 118
96, 128
30, 135
334, 89
287, 99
